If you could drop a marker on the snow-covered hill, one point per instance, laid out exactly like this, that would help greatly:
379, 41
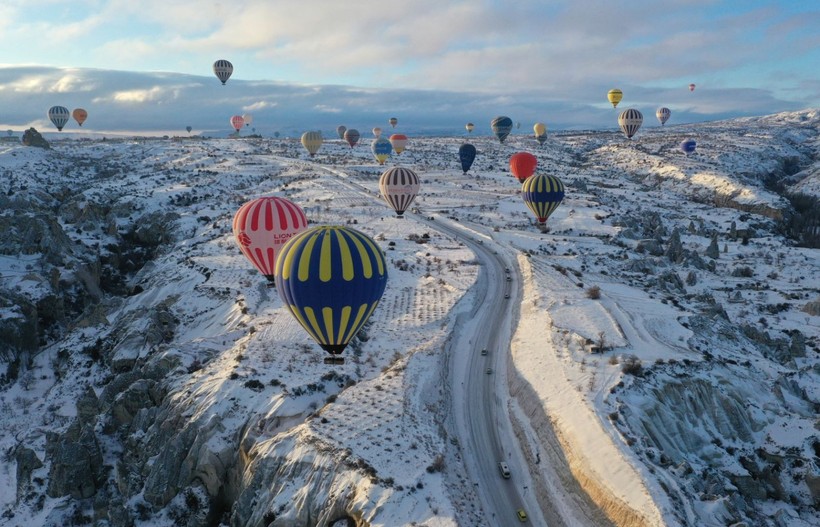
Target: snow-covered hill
663, 368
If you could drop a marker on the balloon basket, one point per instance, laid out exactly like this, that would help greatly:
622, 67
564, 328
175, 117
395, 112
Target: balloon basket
334, 360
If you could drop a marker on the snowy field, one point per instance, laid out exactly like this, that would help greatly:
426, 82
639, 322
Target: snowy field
663, 362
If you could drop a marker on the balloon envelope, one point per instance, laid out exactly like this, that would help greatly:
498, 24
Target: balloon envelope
59, 116
522, 165
352, 136
223, 70
663, 113
691, 87
312, 141
261, 227
469, 127
248, 118
614, 96
399, 186
399, 142
501, 126
341, 129
630, 121
539, 129
688, 146
466, 154
331, 278
381, 149
542, 194
79, 115
188, 128
237, 122
377, 132
393, 121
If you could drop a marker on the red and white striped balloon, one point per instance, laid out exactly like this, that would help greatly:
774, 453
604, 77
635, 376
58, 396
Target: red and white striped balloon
262, 227
399, 187
237, 122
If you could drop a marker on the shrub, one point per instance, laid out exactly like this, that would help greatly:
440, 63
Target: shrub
631, 365
594, 292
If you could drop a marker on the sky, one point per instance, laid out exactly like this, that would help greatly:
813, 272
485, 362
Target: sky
433, 64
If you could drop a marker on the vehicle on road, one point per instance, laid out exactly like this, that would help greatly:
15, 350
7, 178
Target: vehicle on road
484, 351
489, 371
507, 295
505, 470
509, 278
522, 515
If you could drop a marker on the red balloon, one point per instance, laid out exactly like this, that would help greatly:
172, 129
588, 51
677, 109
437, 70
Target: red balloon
262, 227
522, 165
237, 121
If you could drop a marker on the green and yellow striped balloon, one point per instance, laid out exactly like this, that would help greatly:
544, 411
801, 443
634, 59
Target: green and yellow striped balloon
542, 194
331, 278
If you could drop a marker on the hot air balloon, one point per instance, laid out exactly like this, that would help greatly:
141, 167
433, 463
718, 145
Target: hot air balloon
466, 154
629, 121
377, 132
691, 87
341, 129
79, 115
263, 226
10, 132
522, 165
540, 130
542, 194
276, 134
663, 114
312, 141
188, 128
352, 136
248, 118
331, 278
223, 70
615, 95
393, 121
688, 146
399, 187
501, 126
469, 127
59, 116
381, 149
399, 142
237, 122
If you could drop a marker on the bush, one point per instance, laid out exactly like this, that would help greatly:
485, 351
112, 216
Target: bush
631, 365
594, 292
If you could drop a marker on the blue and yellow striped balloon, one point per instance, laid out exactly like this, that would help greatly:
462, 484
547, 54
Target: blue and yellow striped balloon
542, 194
331, 278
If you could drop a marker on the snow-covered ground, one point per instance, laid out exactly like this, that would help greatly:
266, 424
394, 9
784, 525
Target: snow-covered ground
650, 376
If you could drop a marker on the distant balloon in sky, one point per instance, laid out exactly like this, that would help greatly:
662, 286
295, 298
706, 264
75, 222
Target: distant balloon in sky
263, 226
542, 194
10, 132
377, 132
522, 165
399, 187
630, 121
79, 115
663, 113
248, 118
466, 154
540, 130
469, 127
237, 122
188, 128
331, 278
59, 116
691, 87
352, 136
501, 127
223, 70
393, 122
341, 129
688, 146
614, 96
399, 142
276, 134
381, 149
312, 141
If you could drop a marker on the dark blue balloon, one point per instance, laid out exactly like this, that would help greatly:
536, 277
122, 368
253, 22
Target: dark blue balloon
501, 126
466, 153
688, 146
